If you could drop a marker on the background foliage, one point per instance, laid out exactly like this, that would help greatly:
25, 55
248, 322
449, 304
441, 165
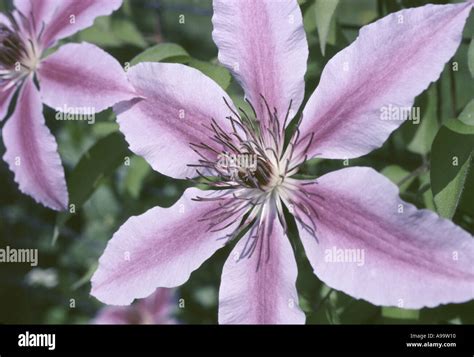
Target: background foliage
109, 184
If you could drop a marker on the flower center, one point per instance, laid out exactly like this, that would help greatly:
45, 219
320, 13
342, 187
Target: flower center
11, 47
253, 155
19, 56
251, 174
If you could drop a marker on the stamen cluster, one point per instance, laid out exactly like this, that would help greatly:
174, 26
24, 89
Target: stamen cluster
252, 192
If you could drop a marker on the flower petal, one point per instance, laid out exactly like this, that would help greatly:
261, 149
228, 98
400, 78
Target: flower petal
39, 12
158, 307
260, 288
5, 21
118, 315
179, 104
160, 248
368, 84
31, 151
374, 246
6, 94
71, 16
155, 309
82, 76
264, 44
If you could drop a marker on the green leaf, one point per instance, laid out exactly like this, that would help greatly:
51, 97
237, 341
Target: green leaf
99, 162
309, 19
404, 314
126, 32
470, 57
100, 34
427, 194
169, 52
105, 128
218, 73
127, 7
113, 32
357, 13
426, 132
135, 176
396, 174
467, 115
325, 21
447, 199
450, 159
466, 206
459, 127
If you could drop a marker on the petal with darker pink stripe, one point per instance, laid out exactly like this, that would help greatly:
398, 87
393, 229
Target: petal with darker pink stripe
259, 288
179, 106
264, 44
160, 248
373, 246
367, 90
71, 16
31, 151
83, 77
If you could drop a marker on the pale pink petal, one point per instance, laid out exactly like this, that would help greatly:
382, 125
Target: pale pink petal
71, 16
6, 94
264, 44
118, 315
260, 288
178, 106
38, 12
391, 62
374, 246
159, 306
31, 151
160, 248
83, 76
155, 309
4, 20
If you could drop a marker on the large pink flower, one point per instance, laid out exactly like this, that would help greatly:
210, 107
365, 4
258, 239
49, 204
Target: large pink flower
185, 122
77, 76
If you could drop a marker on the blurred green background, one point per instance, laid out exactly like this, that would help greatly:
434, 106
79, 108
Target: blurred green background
109, 184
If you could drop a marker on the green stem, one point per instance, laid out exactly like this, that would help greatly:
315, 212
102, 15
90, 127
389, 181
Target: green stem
418, 171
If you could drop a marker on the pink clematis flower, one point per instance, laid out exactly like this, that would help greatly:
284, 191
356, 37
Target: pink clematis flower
154, 310
77, 76
413, 258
